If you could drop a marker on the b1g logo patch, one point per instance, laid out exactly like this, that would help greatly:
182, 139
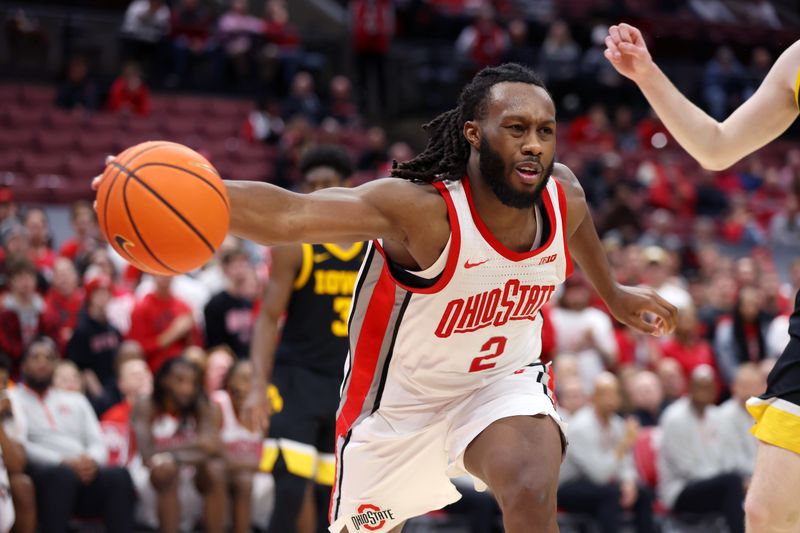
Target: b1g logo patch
371, 517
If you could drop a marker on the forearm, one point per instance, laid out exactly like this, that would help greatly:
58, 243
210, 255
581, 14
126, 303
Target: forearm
262, 349
697, 132
260, 211
12, 452
587, 250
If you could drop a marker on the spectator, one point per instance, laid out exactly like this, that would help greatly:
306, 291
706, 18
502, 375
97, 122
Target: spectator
303, 99
162, 324
723, 82
742, 336
86, 236
237, 31
593, 128
229, 314
584, 330
735, 421
178, 450
374, 155
691, 463
40, 249
658, 274
342, 107
784, 228
601, 81
672, 379
63, 302
687, 346
17, 500
144, 29
94, 344
251, 491
21, 311
571, 396
483, 43
220, 360
519, 49
129, 93
67, 377
722, 295
712, 10
647, 398
760, 64
66, 454
134, 381
711, 201
598, 476
559, 58
120, 306
373, 27
190, 30
78, 90
264, 124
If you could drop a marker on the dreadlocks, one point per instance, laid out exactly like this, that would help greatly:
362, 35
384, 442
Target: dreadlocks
445, 157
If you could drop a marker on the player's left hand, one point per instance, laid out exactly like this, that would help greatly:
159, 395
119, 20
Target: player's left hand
643, 309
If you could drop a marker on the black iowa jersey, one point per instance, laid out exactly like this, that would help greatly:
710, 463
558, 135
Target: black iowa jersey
315, 332
784, 379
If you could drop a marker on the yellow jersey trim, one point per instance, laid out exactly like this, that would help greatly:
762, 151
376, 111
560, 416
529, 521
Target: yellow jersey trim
797, 89
776, 425
305, 268
342, 254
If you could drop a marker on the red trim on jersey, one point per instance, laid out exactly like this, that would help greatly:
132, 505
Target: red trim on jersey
511, 255
562, 206
365, 358
452, 256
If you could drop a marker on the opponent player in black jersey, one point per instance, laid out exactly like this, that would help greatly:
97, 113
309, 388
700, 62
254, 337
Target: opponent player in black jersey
772, 498
313, 286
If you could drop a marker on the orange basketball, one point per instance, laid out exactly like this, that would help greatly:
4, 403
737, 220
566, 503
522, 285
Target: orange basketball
163, 207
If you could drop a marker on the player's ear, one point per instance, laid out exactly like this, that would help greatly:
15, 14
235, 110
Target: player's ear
472, 133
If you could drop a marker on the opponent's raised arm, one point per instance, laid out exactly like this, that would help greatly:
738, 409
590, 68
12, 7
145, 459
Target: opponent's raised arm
270, 215
759, 120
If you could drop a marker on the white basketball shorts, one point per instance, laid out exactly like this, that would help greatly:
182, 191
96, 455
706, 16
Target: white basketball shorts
397, 462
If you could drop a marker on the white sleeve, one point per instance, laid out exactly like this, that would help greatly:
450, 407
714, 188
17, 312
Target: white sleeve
777, 336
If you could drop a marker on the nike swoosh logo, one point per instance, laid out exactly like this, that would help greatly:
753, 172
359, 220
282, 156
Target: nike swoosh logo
473, 265
319, 258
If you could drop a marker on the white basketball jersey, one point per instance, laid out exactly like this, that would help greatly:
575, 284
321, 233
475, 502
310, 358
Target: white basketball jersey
417, 340
236, 438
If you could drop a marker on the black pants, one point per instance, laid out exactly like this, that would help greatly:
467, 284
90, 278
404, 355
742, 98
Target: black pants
60, 495
307, 419
602, 503
722, 494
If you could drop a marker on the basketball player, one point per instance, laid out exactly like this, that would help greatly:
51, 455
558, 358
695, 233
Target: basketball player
468, 243
313, 286
178, 446
771, 504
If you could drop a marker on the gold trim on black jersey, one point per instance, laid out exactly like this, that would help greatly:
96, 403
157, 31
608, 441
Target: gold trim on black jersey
306, 267
797, 89
342, 254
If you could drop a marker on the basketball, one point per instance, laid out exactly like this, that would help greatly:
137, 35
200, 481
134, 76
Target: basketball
163, 207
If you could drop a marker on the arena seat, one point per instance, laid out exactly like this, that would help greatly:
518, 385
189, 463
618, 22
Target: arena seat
37, 95
55, 140
35, 163
9, 93
20, 116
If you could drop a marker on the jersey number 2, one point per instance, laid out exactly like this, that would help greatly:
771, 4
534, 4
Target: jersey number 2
495, 345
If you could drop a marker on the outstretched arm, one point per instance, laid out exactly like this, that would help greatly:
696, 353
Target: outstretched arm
629, 305
762, 118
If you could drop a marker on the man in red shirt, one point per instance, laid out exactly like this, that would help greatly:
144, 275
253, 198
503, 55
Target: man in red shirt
163, 324
129, 92
63, 302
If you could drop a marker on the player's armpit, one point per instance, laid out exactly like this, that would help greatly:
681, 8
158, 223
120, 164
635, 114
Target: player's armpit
387, 208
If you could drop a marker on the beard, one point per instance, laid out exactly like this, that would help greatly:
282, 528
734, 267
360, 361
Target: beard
493, 170
38, 384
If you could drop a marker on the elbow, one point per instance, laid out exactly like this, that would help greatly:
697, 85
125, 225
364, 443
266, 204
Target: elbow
714, 163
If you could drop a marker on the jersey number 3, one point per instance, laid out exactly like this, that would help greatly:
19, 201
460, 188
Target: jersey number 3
496, 346
341, 306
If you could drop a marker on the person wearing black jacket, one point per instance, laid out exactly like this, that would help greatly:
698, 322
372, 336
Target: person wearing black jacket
94, 343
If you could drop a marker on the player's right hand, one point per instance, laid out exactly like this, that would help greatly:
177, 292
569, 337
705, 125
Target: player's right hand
627, 52
257, 410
